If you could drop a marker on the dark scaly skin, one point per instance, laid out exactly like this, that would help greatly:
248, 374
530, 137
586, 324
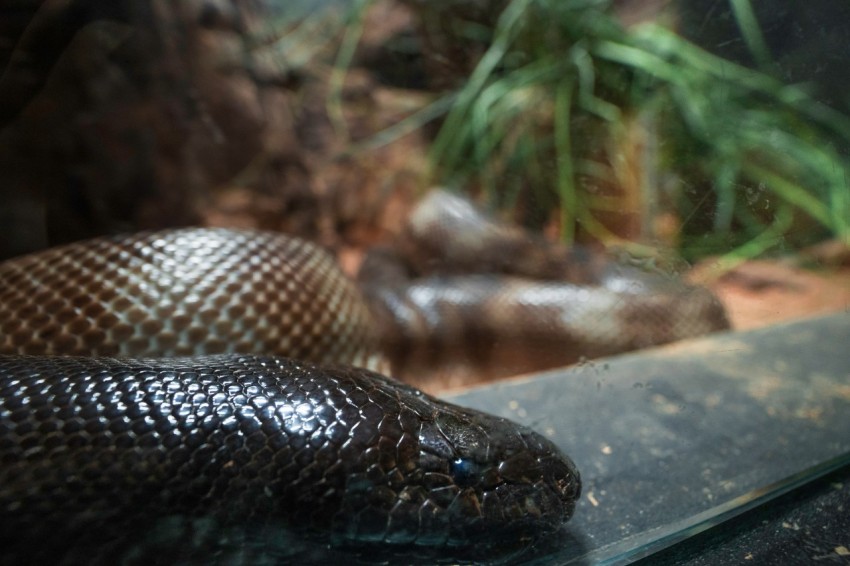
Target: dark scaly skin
99, 451
176, 459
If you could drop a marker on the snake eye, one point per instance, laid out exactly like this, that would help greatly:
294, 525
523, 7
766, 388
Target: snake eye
465, 472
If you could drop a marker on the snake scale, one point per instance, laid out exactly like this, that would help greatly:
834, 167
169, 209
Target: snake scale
149, 394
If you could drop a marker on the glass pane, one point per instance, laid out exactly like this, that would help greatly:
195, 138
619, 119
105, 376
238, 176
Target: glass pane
636, 205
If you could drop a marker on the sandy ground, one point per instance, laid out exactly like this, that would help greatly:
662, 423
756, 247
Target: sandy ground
761, 292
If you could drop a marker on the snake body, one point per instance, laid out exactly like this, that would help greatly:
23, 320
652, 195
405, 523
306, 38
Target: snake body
185, 292
463, 295
98, 449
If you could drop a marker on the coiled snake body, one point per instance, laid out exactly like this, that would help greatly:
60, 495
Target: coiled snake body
99, 449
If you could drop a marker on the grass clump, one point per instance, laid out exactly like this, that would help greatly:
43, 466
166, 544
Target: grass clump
551, 104
569, 111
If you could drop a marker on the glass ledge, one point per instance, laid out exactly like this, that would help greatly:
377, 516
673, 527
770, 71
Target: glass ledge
674, 440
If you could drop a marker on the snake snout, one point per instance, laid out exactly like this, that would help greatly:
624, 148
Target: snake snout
506, 462
557, 471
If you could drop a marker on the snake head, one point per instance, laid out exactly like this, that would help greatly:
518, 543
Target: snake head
442, 479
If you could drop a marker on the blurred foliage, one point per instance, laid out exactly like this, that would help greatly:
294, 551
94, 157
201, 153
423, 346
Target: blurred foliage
747, 163
561, 82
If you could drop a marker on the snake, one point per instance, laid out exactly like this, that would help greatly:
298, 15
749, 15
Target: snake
208, 396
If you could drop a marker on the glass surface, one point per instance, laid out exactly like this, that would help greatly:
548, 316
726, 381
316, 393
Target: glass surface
680, 439
705, 142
